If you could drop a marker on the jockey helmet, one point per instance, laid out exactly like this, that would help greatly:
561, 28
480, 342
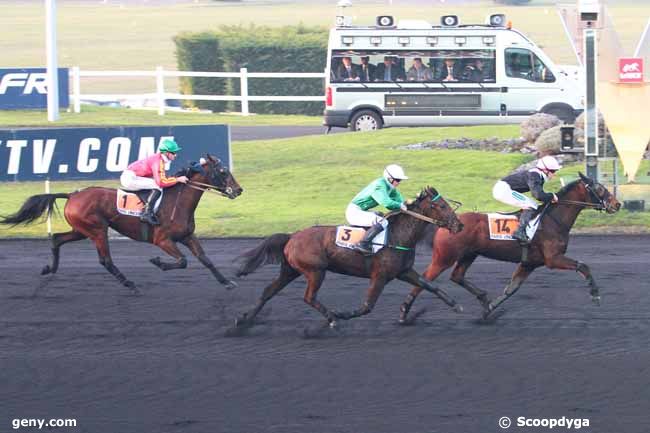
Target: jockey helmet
548, 163
169, 145
394, 171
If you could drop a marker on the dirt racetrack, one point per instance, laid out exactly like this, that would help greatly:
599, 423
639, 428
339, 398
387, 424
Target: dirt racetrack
77, 345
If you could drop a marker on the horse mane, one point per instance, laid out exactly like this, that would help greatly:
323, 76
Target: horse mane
568, 187
424, 193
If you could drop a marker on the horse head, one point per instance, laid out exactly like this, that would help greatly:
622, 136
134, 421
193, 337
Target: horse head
596, 194
218, 175
431, 204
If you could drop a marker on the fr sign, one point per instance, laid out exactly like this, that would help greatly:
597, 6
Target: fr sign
630, 70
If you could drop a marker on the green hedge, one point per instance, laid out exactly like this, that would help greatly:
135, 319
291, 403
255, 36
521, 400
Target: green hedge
200, 52
259, 49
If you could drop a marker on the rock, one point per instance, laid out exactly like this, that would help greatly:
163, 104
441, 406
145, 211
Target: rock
533, 126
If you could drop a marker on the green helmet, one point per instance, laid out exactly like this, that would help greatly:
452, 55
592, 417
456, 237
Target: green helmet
169, 145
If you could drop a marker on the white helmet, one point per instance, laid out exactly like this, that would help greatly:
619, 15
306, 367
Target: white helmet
548, 163
394, 171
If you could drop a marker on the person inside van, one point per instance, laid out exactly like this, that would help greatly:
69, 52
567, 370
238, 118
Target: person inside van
475, 71
348, 71
514, 67
367, 69
450, 71
389, 71
419, 72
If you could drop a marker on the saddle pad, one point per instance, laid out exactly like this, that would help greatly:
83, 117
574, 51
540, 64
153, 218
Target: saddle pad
129, 203
502, 226
348, 237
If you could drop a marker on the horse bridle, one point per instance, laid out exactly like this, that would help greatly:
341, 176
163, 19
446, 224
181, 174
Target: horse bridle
597, 206
435, 221
207, 187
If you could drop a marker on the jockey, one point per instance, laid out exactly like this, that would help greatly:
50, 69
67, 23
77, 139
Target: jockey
508, 190
149, 173
381, 191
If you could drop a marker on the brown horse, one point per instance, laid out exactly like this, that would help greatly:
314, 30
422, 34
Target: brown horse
546, 249
91, 211
312, 251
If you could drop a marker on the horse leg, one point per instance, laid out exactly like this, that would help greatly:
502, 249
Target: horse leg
314, 281
59, 239
169, 246
101, 243
564, 262
287, 275
518, 277
430, 273
195, 247
377, 285
411, 276
458, 277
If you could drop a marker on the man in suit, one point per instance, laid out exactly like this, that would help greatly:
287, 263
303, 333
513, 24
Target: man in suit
347, 71
449, 71
367, 70
389, 71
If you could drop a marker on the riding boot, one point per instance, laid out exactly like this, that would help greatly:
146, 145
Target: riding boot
365, 245
524, 219
148, 216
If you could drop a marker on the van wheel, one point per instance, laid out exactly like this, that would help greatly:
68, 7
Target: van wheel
565, 114
366, 120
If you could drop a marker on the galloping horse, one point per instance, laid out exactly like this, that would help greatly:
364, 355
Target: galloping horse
312, 251
546, 249
91, 211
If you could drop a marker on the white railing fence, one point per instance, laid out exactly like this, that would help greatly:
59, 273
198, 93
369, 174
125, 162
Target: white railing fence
160, 74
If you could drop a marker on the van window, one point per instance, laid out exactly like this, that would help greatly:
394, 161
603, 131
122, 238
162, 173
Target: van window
413, 66
522, 63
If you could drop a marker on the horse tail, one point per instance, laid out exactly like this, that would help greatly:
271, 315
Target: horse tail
268, 252
33, 208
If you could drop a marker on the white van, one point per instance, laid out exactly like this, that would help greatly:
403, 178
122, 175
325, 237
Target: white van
418, 74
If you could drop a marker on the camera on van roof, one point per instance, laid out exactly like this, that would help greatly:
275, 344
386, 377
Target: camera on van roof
588, 10
385, 21
496, 20
449, 20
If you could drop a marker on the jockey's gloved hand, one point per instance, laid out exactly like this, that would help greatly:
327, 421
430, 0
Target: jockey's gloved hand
555, 199
403, 206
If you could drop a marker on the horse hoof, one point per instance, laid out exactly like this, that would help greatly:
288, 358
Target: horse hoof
229, 285
458, 308
155, 261
130, 284
242, 322
333, 324
596, 300
46, 270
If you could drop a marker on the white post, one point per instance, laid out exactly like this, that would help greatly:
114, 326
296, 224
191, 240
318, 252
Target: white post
160, 90
52, 69
49, 217
244, 91
76, 88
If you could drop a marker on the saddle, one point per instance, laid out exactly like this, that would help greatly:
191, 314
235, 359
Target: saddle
349, 236
503, 224
131, 202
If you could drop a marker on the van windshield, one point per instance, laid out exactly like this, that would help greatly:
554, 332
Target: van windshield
417, 66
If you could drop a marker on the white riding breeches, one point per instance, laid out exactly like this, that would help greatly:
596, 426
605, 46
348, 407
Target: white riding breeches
129, 180
505, 194
363, 218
